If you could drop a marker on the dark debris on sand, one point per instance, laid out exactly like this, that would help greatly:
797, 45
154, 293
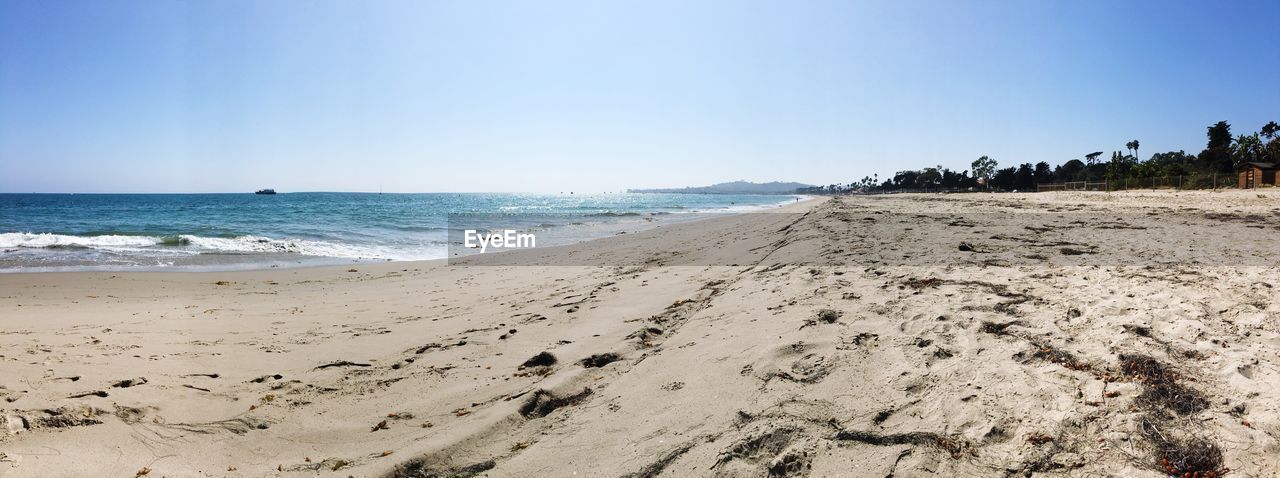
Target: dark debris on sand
995, 328
1176, 451
923, 283
653, 470
1161, 386
542, 359
1177, 446
343, 363
543, 402
1048, 352
600, 360
1182, 456
422, 469
955, 445
131, 382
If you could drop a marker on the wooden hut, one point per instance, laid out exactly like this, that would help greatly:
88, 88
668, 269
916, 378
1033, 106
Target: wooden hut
1253, 175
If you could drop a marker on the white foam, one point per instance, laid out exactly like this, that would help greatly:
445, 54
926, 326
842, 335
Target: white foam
256, 244
190, 244
46, 240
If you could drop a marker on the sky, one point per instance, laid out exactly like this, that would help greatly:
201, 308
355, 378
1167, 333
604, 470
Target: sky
550, 96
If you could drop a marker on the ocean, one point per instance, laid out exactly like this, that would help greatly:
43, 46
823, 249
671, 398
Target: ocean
55, 232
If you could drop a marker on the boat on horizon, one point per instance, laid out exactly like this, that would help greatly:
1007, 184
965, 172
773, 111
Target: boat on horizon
265, 191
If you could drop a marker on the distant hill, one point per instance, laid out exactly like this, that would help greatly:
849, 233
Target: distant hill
736, 187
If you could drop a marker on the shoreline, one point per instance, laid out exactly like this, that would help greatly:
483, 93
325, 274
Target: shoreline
231, 262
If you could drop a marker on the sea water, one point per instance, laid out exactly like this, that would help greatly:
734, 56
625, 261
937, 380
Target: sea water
50, 232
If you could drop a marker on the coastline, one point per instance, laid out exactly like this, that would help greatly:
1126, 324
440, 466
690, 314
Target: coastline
251, 249
430, 368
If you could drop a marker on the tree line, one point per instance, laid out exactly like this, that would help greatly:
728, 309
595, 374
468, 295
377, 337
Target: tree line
1222, 154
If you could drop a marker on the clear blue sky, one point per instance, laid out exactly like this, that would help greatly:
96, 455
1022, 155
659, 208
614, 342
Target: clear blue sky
599, 96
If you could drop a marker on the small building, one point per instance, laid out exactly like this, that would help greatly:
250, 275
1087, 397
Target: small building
1253, 175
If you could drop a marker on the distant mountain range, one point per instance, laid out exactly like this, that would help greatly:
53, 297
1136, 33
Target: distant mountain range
736, 187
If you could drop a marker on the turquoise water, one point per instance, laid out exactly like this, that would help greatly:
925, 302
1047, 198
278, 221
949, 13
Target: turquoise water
245, 231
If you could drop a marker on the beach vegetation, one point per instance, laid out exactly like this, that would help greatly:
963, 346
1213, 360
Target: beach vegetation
1214, 166
984, 168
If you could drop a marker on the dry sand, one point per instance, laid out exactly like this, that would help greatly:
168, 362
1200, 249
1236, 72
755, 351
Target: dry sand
1076, 334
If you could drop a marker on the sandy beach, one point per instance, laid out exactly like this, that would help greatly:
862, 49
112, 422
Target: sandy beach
1056, 334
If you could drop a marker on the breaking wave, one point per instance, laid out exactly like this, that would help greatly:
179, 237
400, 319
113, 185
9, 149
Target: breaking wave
45, 240
215, 245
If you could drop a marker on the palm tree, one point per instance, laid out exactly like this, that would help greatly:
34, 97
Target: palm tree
1128, 146
1247, 148
1135, 149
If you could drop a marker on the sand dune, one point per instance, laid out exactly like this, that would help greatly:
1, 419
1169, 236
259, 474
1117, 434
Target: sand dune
1073, 334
